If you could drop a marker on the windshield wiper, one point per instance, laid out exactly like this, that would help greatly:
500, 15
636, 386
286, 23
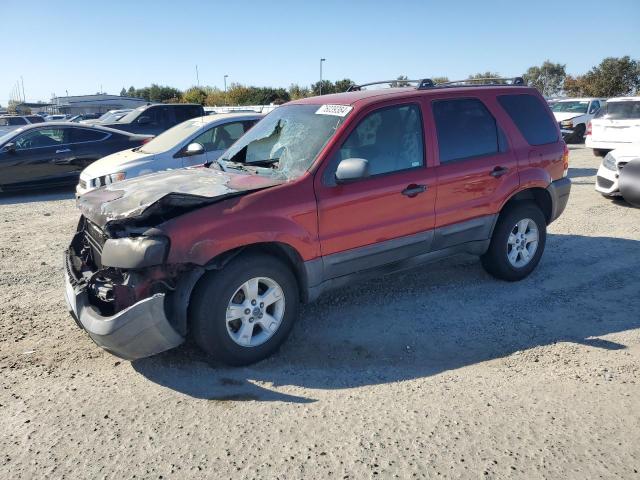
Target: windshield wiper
268, 162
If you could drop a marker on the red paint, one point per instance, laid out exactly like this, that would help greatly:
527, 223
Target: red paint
318, 219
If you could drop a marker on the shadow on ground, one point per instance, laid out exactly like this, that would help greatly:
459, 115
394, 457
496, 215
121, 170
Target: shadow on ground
428, 321
33, 196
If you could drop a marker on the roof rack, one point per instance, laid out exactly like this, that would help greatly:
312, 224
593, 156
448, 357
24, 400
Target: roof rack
486, 82
426, 83
422, 83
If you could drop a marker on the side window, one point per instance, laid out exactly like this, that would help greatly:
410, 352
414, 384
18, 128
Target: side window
157, 115
42, 137
595, 105
466, 129
186, 112
531, 117
16, 121
390, 139
77, 135
220, 137
35, 119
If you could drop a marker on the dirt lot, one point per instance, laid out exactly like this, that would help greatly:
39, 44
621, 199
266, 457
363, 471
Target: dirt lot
441, 372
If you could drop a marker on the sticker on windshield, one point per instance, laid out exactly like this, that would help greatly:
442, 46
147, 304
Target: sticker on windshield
337, 110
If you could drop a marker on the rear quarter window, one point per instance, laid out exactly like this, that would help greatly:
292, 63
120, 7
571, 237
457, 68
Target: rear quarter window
531, 117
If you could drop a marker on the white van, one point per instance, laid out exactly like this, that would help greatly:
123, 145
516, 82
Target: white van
615, 125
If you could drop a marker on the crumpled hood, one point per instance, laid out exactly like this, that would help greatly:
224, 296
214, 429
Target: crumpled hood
166, 194
561, 116
116, 162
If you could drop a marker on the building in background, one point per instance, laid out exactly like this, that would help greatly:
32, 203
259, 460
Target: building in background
99, 103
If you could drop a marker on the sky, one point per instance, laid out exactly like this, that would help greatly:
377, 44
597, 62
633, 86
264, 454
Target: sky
82, 47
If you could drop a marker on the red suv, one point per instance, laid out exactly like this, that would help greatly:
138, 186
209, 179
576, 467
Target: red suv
322, 192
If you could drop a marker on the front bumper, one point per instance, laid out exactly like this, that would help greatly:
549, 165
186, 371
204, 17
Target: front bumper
559, 191
607, 182
138, 331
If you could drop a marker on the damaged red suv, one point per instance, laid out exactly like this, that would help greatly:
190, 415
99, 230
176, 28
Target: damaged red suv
322, 192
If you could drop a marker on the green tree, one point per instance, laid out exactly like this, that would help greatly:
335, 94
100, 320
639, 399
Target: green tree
487, 74
613, 77
296, 91
437, 80
123, 92
548, 78
573, 86
327, 87
194, 95
342, 85
400, 81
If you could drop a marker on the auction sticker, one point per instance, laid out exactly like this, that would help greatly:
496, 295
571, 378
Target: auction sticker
336, 110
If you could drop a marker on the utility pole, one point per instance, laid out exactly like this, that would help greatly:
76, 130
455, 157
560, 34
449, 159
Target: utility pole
225, 90
321, 60
23, 96
197, 77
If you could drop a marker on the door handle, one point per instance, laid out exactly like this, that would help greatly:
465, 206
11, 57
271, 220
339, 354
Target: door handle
499, 171
64, 150
413, 190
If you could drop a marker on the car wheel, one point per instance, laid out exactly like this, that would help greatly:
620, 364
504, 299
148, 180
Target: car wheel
517, 243
241, 314
578, 135
598, 152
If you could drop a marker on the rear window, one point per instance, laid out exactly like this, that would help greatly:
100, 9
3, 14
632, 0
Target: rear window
186, 112
466, 129
620, 111
35, 119
531, 117
79, 135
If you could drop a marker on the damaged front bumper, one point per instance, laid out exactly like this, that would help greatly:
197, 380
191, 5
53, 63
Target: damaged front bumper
141, 330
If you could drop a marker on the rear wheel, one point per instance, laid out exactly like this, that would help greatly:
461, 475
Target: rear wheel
242, 313
517, 243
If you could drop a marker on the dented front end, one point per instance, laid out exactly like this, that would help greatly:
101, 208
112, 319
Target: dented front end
123, 294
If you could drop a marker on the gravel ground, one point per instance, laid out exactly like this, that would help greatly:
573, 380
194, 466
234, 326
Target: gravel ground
441, 372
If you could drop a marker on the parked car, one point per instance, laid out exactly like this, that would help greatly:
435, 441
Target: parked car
156, 118
319, 194
55, 118
615, 125
12, 122
608, 176
573, 115
54, 153
191, 143
84, 116
108, 117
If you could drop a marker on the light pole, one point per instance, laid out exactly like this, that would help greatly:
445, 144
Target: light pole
321, 60
225, 89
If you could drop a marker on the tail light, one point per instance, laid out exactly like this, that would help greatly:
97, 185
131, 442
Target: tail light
565, 160
589, 128
147, 140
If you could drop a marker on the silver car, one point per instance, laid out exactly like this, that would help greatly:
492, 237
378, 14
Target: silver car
191, 143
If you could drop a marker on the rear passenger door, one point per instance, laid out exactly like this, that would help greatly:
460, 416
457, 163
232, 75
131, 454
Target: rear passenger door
87, 146
476, 170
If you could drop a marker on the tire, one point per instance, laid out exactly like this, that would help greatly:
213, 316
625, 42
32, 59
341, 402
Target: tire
578, 135
228, 341
496, 260
598, 152
629, 183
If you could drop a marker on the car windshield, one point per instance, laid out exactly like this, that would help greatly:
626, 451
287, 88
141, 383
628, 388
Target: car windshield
170, 138
286, 142
620, 111
132, 115
571, 107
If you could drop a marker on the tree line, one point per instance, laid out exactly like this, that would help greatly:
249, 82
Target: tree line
614, 76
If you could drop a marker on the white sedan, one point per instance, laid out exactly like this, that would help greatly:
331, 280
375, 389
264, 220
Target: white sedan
191, 143
615, 125
608, 176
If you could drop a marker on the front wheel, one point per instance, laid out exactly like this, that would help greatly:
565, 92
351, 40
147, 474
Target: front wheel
517, 243
241, 314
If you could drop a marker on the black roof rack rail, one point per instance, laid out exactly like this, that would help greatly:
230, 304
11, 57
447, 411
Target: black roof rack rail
422, 83
427, 83
486, 82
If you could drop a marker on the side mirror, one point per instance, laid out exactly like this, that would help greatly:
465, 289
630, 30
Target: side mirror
144, 120
351, 170
194, 149
9, 147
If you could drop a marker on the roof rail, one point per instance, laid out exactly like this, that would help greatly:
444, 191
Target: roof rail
422, 83
491, 81
427, 83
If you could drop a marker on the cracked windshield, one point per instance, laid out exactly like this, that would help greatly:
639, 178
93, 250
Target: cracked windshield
286, 142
